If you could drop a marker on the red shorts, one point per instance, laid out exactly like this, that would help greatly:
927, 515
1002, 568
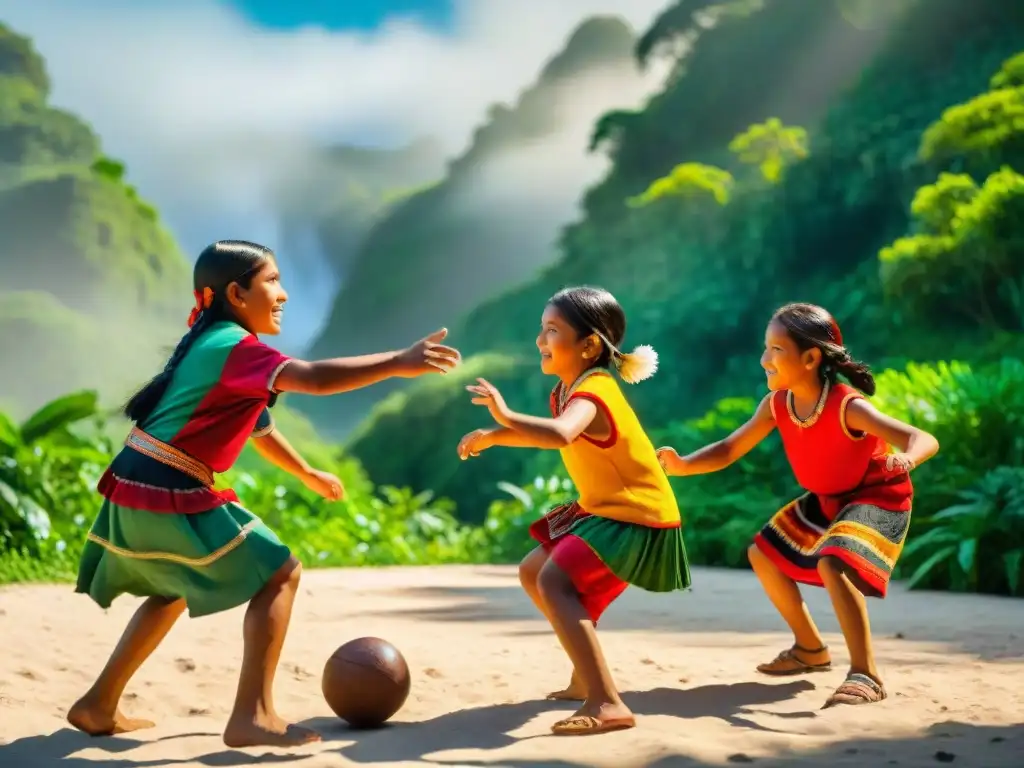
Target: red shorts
594, 581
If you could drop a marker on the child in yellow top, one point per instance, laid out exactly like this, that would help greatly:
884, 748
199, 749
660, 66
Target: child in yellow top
625, 527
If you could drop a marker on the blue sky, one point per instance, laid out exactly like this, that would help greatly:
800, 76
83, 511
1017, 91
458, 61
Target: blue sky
343, 14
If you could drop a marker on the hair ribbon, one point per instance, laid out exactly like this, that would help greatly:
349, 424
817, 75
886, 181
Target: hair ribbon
837, 337
204, 299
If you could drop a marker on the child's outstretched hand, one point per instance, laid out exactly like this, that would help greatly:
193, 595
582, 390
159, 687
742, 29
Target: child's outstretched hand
474, 443
325, 484
429, 355
671, 461
488, 395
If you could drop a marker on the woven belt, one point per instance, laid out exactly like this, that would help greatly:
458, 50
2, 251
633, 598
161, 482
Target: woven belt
166, 454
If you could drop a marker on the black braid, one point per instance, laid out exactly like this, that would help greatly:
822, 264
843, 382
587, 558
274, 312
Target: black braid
836, 361
854, 371
142, 403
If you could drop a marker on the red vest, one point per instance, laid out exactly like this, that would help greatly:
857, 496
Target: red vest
837, 465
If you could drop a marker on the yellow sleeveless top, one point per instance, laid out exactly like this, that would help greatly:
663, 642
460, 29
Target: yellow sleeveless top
619, 478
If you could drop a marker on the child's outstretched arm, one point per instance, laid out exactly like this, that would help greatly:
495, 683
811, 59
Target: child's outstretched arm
343, 374
517, 430
721, 454
915, 446
278, 451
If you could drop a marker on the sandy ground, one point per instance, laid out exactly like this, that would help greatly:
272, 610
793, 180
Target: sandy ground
482, 660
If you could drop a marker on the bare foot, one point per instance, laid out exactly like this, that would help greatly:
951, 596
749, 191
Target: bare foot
267, 731
88, 717
592, 719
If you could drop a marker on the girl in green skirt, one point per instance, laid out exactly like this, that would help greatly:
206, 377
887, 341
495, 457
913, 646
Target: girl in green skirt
164, 532
625, 527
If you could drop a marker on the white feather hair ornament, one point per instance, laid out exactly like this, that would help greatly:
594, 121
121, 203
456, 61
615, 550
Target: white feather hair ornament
638, 365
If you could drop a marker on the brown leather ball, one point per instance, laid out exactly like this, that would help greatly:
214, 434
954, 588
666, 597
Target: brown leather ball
366, 681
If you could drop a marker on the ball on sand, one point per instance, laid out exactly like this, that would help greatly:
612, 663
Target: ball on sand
366, 681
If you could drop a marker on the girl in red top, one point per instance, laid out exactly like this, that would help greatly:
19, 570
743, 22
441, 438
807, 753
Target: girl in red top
847, 531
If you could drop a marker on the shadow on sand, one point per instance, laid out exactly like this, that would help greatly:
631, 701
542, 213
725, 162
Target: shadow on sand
489, 728
57, 750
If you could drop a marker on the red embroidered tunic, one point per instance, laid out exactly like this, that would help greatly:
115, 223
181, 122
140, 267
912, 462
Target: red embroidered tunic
837, 465
216, 401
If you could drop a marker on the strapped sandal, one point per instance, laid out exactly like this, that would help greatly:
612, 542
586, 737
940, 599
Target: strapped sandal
585, 725
788, 663
857, 688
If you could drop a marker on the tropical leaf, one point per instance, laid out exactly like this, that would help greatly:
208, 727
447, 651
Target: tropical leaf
929, 539
965, 556
926, 567
10, 437
58, 414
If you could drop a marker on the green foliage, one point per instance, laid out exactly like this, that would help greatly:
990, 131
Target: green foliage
45, 467
678, 27
976, 413
89, 229
771, 146
687, 182
989, 127
978, 543
935, 205
1011, 74
968, 262
109, 168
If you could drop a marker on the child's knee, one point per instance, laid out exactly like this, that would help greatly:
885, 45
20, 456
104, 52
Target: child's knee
552, 581
530, 567
288, 575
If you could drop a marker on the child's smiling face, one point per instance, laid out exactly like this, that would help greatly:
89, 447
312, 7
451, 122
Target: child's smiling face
783, 362
562, 352
260, 307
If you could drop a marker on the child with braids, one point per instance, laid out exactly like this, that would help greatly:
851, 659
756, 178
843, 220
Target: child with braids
625, 527
847, 531
164, 532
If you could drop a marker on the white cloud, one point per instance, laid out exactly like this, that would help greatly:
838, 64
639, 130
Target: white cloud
160, 81
209, 109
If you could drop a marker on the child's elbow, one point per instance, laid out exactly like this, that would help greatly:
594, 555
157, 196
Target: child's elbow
562, 439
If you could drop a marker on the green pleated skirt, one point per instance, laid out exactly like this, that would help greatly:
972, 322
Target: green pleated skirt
653, 559
602, 557
215, 560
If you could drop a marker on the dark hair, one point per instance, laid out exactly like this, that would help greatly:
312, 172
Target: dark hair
811, 326
219, 265
593, 310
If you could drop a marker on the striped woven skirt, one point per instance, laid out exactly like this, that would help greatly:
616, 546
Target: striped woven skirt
865, 537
